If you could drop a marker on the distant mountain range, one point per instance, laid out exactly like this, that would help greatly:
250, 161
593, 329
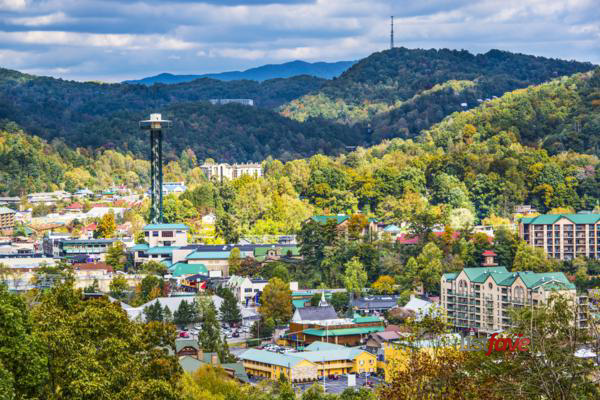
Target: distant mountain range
327, 70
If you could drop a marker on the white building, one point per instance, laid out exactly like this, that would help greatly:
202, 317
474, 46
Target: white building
173, 187
231, 171
48, 197
220, 102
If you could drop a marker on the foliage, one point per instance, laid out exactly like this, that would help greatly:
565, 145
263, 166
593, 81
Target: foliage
276, 301
339, 301
115, 256
234, 261
355, 276
385, 284
186, 313
230, 309
118, 286
107, 226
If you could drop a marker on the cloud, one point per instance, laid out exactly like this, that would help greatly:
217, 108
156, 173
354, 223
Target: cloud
123, 39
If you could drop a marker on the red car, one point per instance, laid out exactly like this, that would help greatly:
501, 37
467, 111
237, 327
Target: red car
184, 334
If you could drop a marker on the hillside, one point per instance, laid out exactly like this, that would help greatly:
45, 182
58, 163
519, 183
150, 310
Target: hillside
402, 91
326, 70
98, 115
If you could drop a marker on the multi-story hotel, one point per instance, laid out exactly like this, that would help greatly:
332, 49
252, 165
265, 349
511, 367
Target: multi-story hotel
480, 298
563, 236
231, 171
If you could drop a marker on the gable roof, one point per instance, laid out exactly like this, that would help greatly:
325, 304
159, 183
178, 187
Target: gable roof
161, 250
318, 345
182, 343
269, 357
180, 268
316, 313
208, 255
343, 332
503, 277
323, 219
548, 219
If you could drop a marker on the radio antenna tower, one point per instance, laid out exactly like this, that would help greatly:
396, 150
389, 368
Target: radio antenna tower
155, 125
392, 33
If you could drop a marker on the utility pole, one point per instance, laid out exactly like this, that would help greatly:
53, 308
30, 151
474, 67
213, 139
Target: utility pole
392, 32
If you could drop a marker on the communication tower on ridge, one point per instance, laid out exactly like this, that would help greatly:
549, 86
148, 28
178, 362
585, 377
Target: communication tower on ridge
392, 32
155, 125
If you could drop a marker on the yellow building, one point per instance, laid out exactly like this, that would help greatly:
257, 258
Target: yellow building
271, 365
320, 359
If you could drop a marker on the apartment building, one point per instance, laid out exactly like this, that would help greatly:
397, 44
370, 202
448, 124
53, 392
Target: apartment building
479, 299
563, 236
7, 218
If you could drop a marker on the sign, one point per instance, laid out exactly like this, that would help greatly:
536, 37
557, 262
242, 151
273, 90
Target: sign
351, 380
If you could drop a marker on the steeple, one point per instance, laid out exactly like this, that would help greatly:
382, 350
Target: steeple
323, 302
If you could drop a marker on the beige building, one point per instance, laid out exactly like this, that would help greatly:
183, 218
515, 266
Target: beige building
231, 171
7, 218
563, 236
480, 298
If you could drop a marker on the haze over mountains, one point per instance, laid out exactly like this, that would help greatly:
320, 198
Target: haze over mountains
326, 70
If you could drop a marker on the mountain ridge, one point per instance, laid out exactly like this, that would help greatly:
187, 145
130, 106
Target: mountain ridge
319, 69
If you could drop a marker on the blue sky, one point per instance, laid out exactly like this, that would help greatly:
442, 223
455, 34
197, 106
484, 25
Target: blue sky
113, 40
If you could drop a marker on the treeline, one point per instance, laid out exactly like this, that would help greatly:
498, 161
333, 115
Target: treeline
402, 91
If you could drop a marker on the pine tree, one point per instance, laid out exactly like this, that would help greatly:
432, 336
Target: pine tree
230, 311
167, 315
154, 312
210, 339
184, 314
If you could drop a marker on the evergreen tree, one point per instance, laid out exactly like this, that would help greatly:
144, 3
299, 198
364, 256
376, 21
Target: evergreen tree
167, 315
154, 312
210, 339
230, 310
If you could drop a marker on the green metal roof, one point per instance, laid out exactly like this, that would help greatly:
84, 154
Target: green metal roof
238, 370
299, 303
503, 277
162, 250
140, 247
181, 343
343, 332
323, 219
208, 255
548, 219
88, 241
367, 319
318, 345
269, 357
161, 227
480, 274
299, 293
180, 268
190, 364
450, 276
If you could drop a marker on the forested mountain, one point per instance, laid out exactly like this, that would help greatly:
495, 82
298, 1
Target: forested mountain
402, 91
325, 70
97, 115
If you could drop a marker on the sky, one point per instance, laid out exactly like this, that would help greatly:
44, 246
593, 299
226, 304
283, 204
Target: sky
114, 40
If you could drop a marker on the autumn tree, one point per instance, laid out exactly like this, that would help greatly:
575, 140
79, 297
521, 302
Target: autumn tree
234, 261
107, 226
115, 256
385, 284
276, 301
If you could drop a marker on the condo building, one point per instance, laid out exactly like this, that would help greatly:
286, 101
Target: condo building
563, 236
479, 299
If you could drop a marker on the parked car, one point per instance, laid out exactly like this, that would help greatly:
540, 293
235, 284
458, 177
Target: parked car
184, 334
235, 334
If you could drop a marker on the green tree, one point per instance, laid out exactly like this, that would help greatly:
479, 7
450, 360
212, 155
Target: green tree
230, 310
505, 246
430, 267
154, 312
115, 256
107, 225
155, 267
385, 284
276, 301
185, 314
93, 288
234, 261
529, 258
148, 285
280, 271
118, 286
355, 276
339, 301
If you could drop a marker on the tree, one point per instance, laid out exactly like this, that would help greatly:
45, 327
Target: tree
276, 301
429, 264
355, 276
107, 355
118, 286
263, 328
529, 258
148, 286
228, 227
155, 268
315, 299
280, 271
107, 225
209, 338
230, 310
23, 357
115, 256
505, 246
234, 261
185, 314
385, 284
339, 301
93, 288
154, 312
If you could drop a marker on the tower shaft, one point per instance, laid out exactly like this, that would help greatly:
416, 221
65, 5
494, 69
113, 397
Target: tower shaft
392, 32
156, 173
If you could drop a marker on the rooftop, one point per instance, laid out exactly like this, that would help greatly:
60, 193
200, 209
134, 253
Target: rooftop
159, 227
548, 219
343, 332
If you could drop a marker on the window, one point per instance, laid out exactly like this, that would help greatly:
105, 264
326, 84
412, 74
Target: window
248, 290
362, 362
154, 233
167, 234
490, 285
147, 233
